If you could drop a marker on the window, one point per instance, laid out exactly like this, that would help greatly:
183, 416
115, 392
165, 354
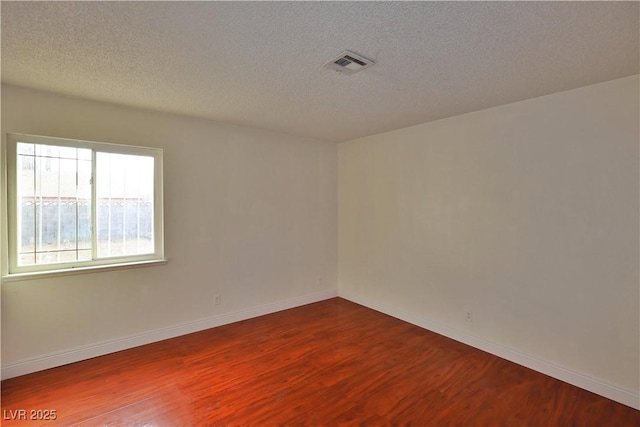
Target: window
74, 204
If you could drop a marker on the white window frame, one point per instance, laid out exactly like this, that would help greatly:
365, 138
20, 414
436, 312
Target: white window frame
11, 269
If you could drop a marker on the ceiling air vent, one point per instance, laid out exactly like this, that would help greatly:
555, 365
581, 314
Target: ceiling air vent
348, 63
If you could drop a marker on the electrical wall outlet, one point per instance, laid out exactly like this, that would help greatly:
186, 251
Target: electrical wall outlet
469, 316
217, 300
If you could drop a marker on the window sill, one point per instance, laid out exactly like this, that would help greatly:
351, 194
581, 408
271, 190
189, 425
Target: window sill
80, 270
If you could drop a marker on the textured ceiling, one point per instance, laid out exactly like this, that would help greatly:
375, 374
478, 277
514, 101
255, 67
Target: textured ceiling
259, 64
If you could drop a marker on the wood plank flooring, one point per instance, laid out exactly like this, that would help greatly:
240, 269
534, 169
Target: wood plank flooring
324, 364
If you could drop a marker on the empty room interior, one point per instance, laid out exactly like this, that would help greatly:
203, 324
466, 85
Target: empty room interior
320, 213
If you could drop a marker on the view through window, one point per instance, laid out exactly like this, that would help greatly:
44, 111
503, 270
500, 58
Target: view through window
76, 203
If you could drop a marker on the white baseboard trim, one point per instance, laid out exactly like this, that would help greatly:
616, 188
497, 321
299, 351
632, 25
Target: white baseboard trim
100, 349
578, 379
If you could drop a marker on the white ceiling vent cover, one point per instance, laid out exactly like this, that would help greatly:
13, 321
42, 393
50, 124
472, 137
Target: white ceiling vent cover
348, 63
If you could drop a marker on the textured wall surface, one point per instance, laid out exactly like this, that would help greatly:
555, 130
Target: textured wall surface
524, 214
249, 215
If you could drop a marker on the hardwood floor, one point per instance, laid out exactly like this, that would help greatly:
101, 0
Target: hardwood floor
329, 363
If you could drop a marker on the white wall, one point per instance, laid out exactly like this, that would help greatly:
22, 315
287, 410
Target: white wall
250, 215
525, 214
